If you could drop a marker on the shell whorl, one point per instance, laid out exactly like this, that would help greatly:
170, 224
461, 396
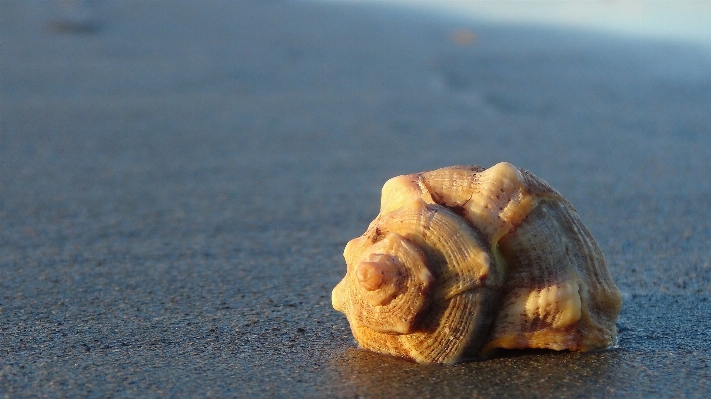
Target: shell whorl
443, 276
464, 260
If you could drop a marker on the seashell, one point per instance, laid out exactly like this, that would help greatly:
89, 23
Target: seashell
462, 261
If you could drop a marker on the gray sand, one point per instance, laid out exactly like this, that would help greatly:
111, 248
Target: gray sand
178, 181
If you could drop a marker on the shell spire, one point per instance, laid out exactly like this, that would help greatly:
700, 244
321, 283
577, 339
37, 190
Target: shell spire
462, 261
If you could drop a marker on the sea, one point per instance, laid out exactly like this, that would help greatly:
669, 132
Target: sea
676, 20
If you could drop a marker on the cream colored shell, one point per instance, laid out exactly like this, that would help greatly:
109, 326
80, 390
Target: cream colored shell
462, 261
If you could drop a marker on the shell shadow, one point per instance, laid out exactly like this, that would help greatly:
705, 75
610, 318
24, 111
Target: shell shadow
510, 373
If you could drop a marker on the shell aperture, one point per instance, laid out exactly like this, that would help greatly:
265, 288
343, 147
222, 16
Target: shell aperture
462, 261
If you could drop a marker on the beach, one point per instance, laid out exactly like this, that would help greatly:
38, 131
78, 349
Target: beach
178, 181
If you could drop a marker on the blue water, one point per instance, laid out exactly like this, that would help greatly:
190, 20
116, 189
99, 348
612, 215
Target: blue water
679, 20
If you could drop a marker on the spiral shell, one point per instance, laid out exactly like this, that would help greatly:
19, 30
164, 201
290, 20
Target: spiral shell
462, 261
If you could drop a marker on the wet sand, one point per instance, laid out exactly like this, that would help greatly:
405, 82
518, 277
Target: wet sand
178, 181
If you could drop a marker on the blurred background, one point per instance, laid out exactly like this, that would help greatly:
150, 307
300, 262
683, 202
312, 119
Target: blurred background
178, 180
681, 20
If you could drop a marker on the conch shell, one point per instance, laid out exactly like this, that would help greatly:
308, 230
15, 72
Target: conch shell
465, 260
